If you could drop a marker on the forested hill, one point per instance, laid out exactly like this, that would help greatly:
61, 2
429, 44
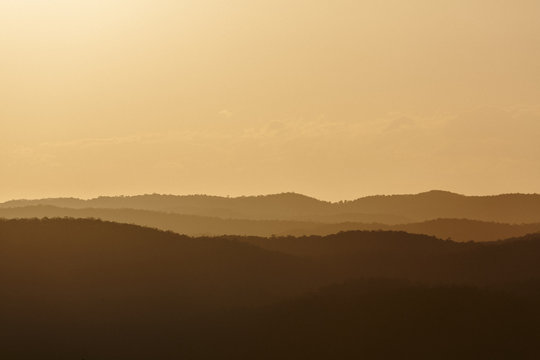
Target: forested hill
89, 289
271, 267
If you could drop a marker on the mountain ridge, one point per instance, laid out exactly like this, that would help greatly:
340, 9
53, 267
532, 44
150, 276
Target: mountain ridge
390, 209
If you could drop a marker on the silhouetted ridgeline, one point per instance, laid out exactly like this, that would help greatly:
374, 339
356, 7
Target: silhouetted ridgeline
416, 257
510, 208
193, 225
72, 289
121, 260
461, 230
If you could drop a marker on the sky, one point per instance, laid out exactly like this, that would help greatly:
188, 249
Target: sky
334, 99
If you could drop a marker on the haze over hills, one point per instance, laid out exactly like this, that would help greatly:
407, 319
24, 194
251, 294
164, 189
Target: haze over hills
194, 225
392, 209
274, 106
461, 230
90, 289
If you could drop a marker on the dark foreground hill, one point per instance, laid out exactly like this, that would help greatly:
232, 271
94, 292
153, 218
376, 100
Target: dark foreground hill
395, 209
72, 289
193, 225
380, 319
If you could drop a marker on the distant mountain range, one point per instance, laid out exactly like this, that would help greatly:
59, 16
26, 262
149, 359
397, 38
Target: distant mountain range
393, 209
194, 225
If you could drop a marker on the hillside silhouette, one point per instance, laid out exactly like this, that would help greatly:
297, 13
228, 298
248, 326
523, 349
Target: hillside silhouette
124, 260
381, 254
95, 244
394, 209
193, 225
82, 288
506, 208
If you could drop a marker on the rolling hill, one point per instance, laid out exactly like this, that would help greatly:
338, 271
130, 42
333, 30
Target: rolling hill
82, 288
382, 254
132, 264
394, 209
194, 225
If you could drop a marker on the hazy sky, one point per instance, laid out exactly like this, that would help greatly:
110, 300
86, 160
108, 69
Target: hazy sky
336, 99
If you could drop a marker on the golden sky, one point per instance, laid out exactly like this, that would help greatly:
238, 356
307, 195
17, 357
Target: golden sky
335, 99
